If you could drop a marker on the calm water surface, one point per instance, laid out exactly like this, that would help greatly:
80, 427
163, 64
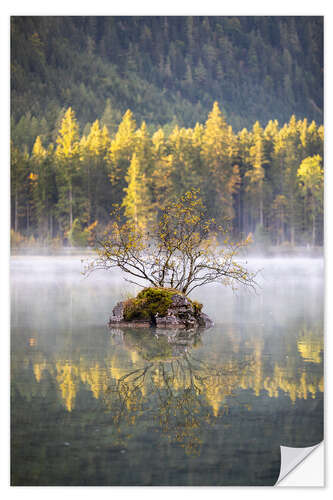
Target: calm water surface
92, 406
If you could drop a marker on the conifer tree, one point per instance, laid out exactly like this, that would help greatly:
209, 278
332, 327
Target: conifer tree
185, 175
110, 118
143, 148
44, 188
162, 185
311, 178
256, 174
67, 155
291, 162
137, 202
278, 216
242, 159
19, 185
93, 149
120, 154
218, 165
285, 160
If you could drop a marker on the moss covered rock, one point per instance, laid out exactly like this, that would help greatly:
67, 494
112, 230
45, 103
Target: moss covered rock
148, 303
162, 308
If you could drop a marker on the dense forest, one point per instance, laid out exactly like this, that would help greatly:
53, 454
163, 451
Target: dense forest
138, 110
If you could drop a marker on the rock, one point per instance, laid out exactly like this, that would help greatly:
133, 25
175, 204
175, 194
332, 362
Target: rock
205, 321
181, 301
181, 314
117, 313
169, 321
117, 318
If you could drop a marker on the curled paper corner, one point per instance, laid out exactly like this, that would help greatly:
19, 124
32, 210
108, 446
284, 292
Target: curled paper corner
292, 457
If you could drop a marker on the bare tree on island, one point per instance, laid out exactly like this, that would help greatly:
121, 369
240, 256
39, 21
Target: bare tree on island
185, 251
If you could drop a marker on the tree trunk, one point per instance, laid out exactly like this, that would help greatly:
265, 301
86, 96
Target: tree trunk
292, 235
292, 219
89, 194
314, 229
240, 213
282, 228
16, 212
28, 218
70, 206
261, 210
244, 225
51, 225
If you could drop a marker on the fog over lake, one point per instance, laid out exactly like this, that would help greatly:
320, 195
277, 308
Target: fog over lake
97, 406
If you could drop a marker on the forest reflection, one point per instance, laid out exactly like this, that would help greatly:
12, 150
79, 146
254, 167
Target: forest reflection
167, 378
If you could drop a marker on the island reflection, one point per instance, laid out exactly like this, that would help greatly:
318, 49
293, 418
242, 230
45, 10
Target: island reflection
166, 377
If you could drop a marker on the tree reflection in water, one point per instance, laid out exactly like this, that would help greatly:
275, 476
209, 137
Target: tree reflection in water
168, 381
180, 384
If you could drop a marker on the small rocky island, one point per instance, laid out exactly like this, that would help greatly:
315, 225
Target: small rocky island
160, 308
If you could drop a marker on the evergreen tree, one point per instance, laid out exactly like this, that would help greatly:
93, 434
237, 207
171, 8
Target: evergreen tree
256, 174
44, 188
97, 186
111, 118
162, 185
242, 159
184, 174
120, 154
19, 185
311, 178
218, 165
67, 155
278, 215
137, 201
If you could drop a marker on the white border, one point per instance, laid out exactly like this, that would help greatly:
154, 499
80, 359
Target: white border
141, 7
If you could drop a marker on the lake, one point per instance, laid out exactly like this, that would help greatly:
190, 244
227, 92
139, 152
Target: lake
93, 406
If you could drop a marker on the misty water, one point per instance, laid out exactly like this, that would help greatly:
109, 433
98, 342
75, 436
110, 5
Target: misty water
93, 406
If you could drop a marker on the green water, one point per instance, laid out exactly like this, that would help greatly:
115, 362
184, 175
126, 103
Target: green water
90, 406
